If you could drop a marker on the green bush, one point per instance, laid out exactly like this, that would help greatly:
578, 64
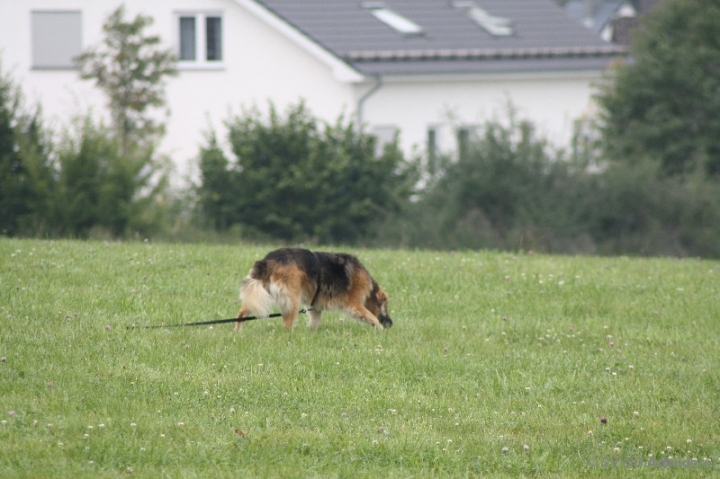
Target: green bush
26, 174
636, 209
101, 191
513, 191
509, 191
292, 178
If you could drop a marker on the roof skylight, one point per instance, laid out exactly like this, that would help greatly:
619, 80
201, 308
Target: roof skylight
393, 19
496, 26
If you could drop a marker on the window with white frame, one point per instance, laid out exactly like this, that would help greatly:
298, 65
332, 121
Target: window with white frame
393, 19
56, 39
200, 39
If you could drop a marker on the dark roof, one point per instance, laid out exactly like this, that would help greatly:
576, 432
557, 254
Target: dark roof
543, 38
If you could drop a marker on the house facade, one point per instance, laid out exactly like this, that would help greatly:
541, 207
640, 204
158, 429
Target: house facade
427, 69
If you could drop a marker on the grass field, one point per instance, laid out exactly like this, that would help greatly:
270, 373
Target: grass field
498, 365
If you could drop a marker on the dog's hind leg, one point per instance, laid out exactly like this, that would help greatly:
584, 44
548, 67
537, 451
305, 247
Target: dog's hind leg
241, 314
289, 318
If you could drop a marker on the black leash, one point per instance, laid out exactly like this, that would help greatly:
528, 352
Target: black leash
216, 321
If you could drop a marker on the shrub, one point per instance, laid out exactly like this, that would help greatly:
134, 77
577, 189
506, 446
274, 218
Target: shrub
293, 178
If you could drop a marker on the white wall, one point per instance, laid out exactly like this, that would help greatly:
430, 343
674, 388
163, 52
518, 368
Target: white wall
551, 101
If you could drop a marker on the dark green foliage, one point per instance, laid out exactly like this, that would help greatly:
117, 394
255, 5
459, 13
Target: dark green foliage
665, 104
26, 175
81, 185
509, 191
294, 179
216, 190
513, 191
638, 210
101, 191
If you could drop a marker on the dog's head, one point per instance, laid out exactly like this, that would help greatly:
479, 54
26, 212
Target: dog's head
377, 304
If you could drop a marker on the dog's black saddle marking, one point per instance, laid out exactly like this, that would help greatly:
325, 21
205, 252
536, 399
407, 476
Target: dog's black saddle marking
306, 260
318, 280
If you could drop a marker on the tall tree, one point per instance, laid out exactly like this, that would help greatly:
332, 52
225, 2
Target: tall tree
131, 68
665, 104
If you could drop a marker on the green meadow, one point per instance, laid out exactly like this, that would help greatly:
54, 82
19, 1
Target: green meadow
498, 365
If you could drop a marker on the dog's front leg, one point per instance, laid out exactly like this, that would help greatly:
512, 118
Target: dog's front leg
363, 314
315, 318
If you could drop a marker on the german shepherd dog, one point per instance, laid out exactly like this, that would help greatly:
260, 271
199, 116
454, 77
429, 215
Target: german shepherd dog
290, 277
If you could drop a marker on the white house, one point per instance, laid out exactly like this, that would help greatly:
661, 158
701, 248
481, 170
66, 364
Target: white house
426, 68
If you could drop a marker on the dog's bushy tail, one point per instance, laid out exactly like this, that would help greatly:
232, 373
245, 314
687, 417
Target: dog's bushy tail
255, 298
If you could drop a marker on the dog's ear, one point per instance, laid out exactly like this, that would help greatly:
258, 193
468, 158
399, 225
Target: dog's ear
382, 296
382, 299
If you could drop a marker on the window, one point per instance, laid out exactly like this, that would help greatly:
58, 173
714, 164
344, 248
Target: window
56, 39
433, 150
213, 38
200, 39
495, 26
393, 19
463, 142
187, 39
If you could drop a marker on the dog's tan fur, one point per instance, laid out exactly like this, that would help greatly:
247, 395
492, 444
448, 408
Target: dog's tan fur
290, 278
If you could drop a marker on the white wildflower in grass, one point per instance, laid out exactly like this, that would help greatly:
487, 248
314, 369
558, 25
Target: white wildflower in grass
133, 425
616, 450
526, 448
505, 450
181, 424
101, 426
